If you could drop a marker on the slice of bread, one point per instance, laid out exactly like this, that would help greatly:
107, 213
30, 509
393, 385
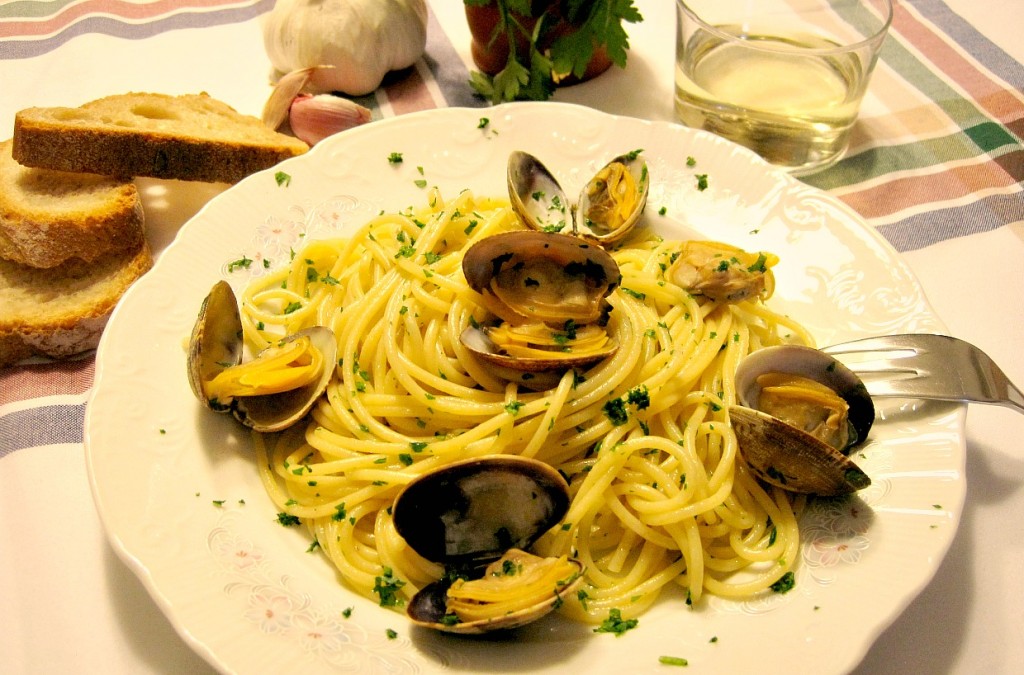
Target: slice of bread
47, 217
188, 137
61, 311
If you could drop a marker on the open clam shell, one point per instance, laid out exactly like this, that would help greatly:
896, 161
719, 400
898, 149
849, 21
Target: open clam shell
789, 457
527, 276
550, 291
469, 514
607, 209
430, 608
216, 345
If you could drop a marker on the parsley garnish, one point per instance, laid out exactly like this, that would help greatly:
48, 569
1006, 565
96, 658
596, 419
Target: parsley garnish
616, 624
287, 519
639, 396
241, 263
282, 179
395, 158
386, 587
615, 411
785, 584
673, 661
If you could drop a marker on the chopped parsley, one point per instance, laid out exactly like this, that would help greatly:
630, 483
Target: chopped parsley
615, 411
386, 587
785, 584
702, 181
673, 661
395, 158
287, 519
513, 407
282, 179
616, 624
639, 396
242, 263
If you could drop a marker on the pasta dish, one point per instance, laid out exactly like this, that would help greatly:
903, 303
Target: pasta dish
658, 496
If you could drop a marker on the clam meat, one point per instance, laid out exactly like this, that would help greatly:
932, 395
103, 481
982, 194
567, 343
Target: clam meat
800, 413
721, 272
608, 207
549, 292
478, 517
273, 390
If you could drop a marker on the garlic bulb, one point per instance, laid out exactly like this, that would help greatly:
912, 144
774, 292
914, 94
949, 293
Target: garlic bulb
362, 39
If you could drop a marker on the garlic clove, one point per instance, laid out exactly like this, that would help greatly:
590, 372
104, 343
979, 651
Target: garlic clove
314, 118
289, 85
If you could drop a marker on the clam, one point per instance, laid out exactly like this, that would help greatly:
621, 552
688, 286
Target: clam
721, 272
800, 413
268, 393
478, 517
607, 209
549, 292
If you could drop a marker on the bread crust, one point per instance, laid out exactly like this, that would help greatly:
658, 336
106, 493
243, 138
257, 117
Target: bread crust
47, 217
61, 312
190, 137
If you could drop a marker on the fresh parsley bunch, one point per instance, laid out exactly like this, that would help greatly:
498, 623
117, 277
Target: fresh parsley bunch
534, 74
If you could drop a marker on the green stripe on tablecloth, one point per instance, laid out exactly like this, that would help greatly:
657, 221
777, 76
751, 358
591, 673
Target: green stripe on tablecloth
32, 9
882, 160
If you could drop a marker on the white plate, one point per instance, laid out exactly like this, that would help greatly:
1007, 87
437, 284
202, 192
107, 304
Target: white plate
243, 591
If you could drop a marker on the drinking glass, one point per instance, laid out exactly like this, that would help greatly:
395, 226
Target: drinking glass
784, 78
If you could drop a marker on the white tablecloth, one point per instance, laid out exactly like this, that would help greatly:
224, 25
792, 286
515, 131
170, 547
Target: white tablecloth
68, 604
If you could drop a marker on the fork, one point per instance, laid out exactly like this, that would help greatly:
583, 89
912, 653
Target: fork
927, 366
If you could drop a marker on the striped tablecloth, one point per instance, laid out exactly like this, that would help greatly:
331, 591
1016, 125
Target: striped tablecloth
936, 165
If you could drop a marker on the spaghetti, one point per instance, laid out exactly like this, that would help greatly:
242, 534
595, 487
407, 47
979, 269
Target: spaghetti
658, 498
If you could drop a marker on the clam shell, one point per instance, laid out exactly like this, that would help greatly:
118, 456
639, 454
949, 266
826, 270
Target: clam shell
428, 608
791, 459
477, 341
589, 225
542, 204
536, 196
496, 259
783, 455
471, 512
216, 344
275, 412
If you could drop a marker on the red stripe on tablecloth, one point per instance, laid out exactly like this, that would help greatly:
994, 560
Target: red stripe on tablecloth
409, 94
21, 383
897, 194
991, 96
131, 11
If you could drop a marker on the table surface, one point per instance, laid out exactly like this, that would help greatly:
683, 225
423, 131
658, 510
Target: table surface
936, 166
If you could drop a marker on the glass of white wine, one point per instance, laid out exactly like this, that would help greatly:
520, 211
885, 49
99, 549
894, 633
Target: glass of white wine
784, 78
